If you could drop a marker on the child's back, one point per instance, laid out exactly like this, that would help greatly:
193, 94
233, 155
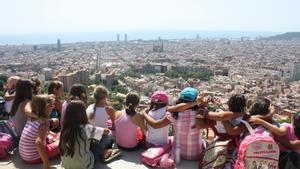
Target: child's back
157, 136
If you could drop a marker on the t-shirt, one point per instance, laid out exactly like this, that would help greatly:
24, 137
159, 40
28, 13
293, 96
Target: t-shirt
220, 127
8, 104
157, 136
290, 136
83, 157
27, 146
101, 117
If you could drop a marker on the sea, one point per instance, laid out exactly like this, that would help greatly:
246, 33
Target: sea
51, 38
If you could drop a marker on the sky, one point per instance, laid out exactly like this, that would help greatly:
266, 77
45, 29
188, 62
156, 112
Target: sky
52, 16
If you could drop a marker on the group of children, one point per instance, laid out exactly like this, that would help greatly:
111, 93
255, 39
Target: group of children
83, 134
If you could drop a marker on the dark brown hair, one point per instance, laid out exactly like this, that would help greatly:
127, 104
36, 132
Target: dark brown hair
23, 92
54, 85
75, 118
131, 102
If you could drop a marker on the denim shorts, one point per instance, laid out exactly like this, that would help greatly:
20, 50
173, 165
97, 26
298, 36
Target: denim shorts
98, 147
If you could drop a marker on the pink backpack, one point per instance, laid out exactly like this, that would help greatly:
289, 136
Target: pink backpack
159, 156
257, 150
6, 144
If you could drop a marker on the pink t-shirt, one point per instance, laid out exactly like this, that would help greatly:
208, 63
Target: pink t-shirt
290, 136
126, 131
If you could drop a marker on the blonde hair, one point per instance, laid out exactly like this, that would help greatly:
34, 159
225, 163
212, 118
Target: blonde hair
39, 104
100, 92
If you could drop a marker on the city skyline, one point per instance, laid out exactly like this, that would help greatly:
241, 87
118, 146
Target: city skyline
62, 16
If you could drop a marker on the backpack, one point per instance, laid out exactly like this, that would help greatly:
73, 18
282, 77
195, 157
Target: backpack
215, 155
258, 150
7, 128
6, 144
158, 157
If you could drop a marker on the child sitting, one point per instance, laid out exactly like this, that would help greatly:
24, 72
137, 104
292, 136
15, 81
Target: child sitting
158, 109
76, 136
127, 123
291, 140
33, 147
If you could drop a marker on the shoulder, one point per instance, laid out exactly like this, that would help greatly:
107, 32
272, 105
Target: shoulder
110, 109
90, 108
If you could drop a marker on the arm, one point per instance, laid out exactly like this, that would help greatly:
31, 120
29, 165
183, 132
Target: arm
39, 142
111, 112
234, 130
156, 124
142, 124
184, 106
222, 116
181, 107
292, 145
279, 131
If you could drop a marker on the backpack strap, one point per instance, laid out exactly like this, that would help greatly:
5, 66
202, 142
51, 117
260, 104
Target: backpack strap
248, 126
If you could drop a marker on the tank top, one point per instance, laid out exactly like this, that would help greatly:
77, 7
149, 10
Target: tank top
101, 117
18, 121
126, 131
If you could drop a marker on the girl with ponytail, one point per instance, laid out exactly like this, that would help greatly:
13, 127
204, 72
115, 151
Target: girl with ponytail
128, 122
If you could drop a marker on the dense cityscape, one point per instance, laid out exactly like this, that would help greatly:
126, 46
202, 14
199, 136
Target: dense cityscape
261, 67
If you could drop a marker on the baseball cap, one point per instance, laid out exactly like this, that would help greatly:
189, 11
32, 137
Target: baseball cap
189, 94
159, 97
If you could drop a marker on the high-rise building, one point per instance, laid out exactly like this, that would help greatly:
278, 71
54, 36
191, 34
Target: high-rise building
58, 45
118, 38
296, 71
125, 37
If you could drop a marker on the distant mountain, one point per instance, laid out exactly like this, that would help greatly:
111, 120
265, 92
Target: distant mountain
285, 36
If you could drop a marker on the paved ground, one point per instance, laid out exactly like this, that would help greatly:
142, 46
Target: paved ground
128, 160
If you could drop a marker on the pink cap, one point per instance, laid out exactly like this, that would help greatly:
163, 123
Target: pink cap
159, 97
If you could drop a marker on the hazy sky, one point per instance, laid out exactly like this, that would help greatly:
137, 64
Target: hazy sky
38, 16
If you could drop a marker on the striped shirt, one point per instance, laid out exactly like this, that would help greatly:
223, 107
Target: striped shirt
27, 146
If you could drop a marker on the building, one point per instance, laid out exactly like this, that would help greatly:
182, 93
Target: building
158, 46
48, 73
118, 38
68, 79
125, 37
296, 71
58, 45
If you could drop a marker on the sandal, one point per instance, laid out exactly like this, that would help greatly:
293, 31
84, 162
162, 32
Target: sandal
114, 154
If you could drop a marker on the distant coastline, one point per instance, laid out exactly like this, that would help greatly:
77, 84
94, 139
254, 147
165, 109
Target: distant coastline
50, 38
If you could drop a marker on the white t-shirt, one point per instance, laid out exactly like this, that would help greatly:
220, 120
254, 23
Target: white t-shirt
158, 136
8, 104
220, 127
100, 118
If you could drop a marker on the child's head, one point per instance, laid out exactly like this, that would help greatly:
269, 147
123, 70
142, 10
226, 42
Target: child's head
260, 107
237, 103
188, 94
159, 99
56, 88
131, 102
296, 124
37, 85
42, 105
23, 92
12, 81
75, 117
101, 94
78, 92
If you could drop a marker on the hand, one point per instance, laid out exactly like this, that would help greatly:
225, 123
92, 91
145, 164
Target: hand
255, 120
106, 131
199, 116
